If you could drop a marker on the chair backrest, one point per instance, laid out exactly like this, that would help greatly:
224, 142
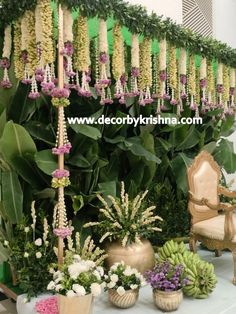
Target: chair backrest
203, 178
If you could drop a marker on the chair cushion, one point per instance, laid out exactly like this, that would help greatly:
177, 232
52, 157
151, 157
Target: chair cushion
213, 228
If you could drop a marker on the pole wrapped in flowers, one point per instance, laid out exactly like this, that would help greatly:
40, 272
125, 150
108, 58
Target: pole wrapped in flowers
135, 71
18, 65
81, 56
162, 70
183, 72
173, 74
219, 82
6, 56
226, 91
203, 80
232, 86
210, 84
145, 78
192, 82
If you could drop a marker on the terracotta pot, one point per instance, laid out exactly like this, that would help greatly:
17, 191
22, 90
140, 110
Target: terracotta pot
168, 300
139, 256
75, 305
125, 301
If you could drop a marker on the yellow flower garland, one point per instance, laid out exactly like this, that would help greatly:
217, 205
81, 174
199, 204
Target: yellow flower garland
81, 45
192, 76
18, 64
32, 52
145, 78
118, 53
210, 82
226, 84
173, 68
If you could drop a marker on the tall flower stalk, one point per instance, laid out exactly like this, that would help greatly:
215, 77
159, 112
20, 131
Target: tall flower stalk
6, 56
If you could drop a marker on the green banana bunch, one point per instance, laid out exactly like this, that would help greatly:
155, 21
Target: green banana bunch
201, 276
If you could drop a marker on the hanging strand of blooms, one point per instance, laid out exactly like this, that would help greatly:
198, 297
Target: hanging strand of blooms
134, 64
6, 56
203, 80
173, 75
25, 37
198, 92
232, 86
18, 65
145, 78
192, 82
68, 47
81, 56
39, 73
104, 81
219, 82
118, 68
47, 47
155, 77
210, 85
226, 91
183, 72
162, 70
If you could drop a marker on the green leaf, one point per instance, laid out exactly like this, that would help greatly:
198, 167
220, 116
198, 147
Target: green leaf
191, 139
166, 145
46, 161
87, 130
210, 147
79, 161
179, 166
3, 120
12, 196
228, 126
4, 253
40, 131
46, 193
225, 156
78, 203
107, 188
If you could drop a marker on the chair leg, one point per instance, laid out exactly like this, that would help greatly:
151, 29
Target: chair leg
234, 258
218, 253
192, 244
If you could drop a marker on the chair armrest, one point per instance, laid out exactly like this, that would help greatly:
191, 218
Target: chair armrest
203, 201
224, 191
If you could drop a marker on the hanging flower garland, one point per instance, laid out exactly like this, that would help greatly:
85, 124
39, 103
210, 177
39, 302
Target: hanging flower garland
226, 91
81, 56
61, 216
118, 62
18, 65
210, 85
232, 87
162, 70
25, 37
6, 56
145, 78
68, 47
203, 81
219, 82
135, 71
183, 72
104, 81
192, 82
173, 80
198, 92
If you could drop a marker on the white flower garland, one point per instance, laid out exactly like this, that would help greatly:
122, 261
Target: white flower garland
38, 24
103, 42
135, 51
220, 74
7, 43
24, 33
183, 61
68, 25
232, 77
203, 69
162, 55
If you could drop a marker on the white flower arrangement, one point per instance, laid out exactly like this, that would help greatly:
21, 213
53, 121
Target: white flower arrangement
122, 277
162, 55
7, 43
232, 77
38, 24
67, 25
135, 51
183, 61
220, 74
103, 41
79, 278
126, 220
203, 69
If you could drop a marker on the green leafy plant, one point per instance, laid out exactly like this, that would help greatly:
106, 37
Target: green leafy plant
127, 220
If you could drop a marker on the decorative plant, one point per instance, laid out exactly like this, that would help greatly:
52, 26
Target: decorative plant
78, 278
122, 277
166, 277
126, 220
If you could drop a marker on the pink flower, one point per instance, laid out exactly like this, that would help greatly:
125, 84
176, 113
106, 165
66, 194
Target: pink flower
63, 232
65, 149
60, 93
60, 173
47, 306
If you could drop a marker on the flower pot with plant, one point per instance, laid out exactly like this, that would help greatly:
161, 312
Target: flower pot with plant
167, 282
123, 283
77, 283
127, 224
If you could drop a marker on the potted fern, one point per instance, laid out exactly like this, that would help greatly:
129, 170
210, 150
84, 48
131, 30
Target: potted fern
126, 226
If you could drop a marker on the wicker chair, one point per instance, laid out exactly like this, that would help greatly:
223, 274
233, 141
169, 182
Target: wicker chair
212, 221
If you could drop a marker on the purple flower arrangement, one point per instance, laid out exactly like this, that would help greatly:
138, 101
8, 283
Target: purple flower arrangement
166, 277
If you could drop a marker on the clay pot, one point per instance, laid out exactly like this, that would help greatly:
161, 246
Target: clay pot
123, 301
168, 300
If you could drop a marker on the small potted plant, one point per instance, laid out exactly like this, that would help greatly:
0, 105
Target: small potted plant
127, 224
123, 283
77, 283
167, 281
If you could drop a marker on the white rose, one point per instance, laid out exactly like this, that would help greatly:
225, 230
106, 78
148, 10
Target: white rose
114, 278
70, 294
6, 243
26, 254
27, 229
51, 270
100, 270
38, 242
95, 289
76, 258
79, 290
97, 274
133, 287
38, 255
128, 271
58, 287
120, 290
51, 285
111, 285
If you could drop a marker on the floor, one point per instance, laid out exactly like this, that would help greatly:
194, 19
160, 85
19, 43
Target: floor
221, 301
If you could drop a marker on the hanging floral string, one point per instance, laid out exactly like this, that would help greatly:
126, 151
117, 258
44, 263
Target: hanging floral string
68, 47
173, 75
145, 78
219, 82
118, 62
135, 71
232, 86
18, 65
192, 82
226, 91
6, 56
203, 81
25, 37
162, 70
210, 85
183, 72
104, 81
81, 56
198, 92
